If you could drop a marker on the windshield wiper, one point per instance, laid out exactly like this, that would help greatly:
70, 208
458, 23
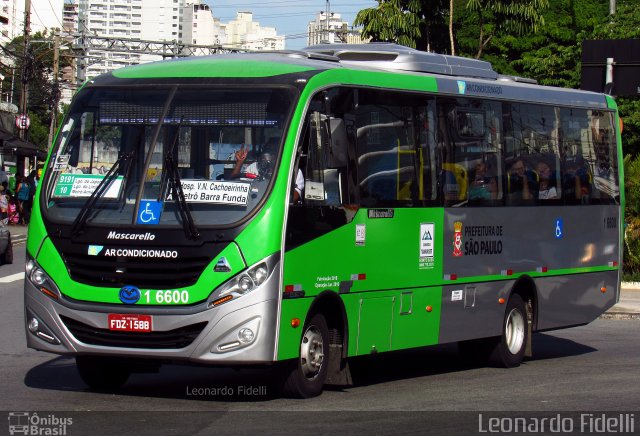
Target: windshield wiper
171, 175
124, 161
177, 195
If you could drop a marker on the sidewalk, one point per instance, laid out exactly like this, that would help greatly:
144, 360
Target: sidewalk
627, 308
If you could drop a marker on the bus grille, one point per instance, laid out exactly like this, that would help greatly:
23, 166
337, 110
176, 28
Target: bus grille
148, 273
171, 339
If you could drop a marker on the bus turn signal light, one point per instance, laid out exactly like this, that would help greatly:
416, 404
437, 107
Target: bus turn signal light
219, 301
295, 322
603, 289
501, 300
429, 308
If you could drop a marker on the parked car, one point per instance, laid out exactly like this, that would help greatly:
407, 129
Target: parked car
6, 246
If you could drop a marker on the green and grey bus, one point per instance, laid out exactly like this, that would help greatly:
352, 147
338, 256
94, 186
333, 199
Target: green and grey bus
298, 209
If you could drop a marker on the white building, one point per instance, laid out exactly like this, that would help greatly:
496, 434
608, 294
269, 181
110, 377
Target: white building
199, 27
149, 20
246, 34
185, 21
332, 30
45, 14
68, 84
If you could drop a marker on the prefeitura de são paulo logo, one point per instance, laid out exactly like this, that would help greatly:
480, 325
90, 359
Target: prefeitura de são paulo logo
457, 238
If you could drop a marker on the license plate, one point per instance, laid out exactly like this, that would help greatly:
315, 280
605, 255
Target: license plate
130, 323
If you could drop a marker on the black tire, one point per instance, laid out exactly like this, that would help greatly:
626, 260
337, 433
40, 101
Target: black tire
102, 374
304, 377
509, 350
7, 257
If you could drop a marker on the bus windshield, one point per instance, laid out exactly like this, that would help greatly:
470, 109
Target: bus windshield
124, 154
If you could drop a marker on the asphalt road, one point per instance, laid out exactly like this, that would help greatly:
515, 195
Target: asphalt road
589, 368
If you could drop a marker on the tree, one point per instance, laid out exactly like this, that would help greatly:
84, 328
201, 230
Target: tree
37, 71
414, 23
514, 17
423, 24
624, 24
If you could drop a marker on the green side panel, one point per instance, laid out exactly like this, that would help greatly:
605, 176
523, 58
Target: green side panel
206, 67
381, 79
375, 326
382, 265
262, 236
37, 232
51, 261
388, 256
290, 336
393, 320
611, 103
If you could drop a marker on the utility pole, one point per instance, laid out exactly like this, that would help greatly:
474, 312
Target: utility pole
56, 87
26, 66
24, 92
328, 10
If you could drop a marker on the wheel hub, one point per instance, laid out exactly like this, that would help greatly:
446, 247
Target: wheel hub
514, 331
311, 352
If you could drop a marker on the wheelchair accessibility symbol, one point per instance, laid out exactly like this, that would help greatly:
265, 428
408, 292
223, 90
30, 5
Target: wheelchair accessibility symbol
559, 228
150, 211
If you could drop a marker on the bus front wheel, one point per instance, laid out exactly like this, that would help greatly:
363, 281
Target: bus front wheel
102, 374
304, 377
509, 350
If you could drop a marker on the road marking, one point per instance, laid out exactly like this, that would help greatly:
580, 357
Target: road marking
12, 278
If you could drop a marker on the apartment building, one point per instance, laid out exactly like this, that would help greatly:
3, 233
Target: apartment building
245, 34
332, 29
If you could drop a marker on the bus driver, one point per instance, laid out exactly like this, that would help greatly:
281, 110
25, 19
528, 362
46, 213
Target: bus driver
262, 168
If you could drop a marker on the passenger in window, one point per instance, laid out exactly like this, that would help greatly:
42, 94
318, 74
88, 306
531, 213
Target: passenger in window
450, 186
546, 185
576, 181
483, 185
521, 182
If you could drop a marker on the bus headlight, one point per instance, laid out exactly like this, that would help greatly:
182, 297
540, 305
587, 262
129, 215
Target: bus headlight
241, 284
40, 279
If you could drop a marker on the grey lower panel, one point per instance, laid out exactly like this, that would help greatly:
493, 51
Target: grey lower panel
471, 311
575, 299
217, 343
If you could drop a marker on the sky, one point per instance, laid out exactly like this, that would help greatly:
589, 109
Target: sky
289, 17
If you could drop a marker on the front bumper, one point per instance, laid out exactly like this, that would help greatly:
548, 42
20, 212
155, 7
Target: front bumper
196, 334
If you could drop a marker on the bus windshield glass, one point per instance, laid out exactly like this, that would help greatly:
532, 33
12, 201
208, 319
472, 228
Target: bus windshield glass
124, 154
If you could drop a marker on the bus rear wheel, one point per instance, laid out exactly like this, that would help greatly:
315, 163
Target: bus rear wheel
102, 374
509, 350
304, 377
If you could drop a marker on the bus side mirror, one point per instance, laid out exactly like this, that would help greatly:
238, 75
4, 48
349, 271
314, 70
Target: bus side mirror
337, 155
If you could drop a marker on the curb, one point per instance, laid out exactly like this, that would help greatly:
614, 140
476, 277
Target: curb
619, 315
18, 239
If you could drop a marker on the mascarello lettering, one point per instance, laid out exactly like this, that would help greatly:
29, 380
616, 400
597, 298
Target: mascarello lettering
131, 236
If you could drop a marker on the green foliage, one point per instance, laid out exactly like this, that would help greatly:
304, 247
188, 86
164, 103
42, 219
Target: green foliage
420, 24
392, 21
512, 17
39, 131
37, 71
632, 216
